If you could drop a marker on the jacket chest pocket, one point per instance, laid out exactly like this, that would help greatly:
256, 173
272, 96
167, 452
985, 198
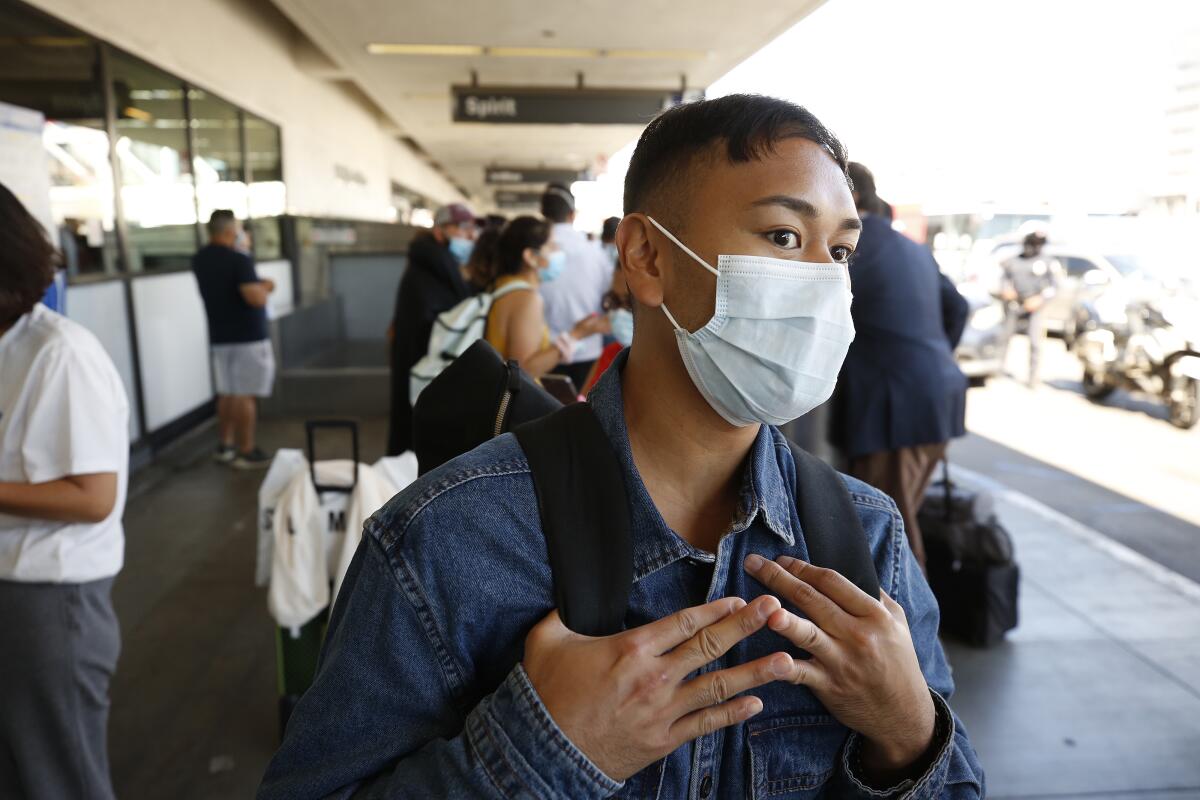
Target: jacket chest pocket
794, 757
646, 785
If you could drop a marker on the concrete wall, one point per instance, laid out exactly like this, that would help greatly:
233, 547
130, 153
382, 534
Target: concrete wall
366, 285
244, 51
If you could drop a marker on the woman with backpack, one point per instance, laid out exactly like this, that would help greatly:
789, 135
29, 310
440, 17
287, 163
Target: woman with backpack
516, 326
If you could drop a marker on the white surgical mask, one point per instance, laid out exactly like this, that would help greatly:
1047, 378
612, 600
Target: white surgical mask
776, 341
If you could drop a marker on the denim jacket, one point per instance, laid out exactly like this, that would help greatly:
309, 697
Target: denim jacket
420, 691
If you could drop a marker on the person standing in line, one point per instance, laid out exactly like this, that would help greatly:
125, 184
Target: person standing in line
480, 267
433, 282
235, 301
1030, 279
525, 258
580, 289
64, 459
901, 396
608, 240
618, 304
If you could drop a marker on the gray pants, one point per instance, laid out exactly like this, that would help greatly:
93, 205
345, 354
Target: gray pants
1036, 332
59, 645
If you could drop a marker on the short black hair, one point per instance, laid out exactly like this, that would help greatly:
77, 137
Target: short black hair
219, 221
517, 236
608, 233
27, 259
749, 126
863, 182
558, 204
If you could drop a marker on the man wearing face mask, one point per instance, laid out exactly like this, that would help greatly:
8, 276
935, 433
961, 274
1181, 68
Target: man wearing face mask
446, 671
433, 282
579, 287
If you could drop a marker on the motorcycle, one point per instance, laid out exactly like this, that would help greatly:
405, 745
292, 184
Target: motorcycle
1150, 346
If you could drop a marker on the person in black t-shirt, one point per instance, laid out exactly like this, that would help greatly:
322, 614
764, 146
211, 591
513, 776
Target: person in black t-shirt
235, 300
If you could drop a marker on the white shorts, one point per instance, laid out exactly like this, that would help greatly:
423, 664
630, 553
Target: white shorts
244, 369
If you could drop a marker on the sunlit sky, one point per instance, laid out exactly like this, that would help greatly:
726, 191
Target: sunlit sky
953, 103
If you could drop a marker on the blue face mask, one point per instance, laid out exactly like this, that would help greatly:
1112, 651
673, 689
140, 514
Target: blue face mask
558, 260
611, 251
621, 320
461, 248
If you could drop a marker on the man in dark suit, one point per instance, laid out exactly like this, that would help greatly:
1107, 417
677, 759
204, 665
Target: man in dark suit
901, 396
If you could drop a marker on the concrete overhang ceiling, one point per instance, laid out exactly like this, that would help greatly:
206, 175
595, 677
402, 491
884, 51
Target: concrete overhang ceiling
406, 57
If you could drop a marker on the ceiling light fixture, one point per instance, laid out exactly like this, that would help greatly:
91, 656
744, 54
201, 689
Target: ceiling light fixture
397, 49
543, 52
392, 49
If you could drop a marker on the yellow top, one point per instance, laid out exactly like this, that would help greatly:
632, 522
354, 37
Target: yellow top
497, 337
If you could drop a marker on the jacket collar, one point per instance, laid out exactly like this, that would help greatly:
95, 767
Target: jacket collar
765, 491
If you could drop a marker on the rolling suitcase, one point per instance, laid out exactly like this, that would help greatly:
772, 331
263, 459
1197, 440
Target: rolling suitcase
969, 562
297, 650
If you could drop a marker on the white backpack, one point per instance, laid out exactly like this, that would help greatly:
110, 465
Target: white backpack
453, 332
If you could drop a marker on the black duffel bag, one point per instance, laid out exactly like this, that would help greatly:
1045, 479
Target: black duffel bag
477, 397
969, 562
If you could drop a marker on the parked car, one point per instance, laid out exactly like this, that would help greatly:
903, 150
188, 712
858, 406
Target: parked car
982, 343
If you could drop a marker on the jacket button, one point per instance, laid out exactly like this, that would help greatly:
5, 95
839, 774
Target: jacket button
706, 786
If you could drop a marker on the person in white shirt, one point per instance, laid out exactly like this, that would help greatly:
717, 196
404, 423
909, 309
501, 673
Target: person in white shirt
64, 455
579, 291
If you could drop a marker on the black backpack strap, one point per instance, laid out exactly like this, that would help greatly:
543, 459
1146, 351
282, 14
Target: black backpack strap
585, 516
831, 528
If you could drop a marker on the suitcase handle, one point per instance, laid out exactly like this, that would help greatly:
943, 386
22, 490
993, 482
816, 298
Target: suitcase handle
310, 429
949, 494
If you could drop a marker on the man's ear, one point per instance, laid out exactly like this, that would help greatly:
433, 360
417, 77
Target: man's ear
639, 260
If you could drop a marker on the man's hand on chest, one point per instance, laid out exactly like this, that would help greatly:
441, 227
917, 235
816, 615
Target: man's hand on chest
864, 668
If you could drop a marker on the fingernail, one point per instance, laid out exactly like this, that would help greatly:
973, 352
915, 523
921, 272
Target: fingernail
781, 666
762, 610
784, 561
754, 563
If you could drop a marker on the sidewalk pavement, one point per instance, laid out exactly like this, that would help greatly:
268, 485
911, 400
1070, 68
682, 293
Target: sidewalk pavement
1097, 691
1096, 694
